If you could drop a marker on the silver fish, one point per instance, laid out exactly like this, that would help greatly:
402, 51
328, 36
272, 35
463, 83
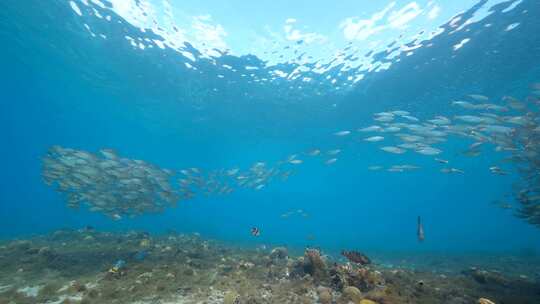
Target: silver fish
420, 230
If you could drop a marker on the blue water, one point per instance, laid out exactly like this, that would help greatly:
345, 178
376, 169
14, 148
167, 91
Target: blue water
61, 86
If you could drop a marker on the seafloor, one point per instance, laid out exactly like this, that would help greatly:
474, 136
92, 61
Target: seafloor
78, 266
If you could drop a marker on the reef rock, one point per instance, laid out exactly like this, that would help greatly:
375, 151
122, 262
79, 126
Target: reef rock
325, 296
351, 293
231, 297
47, 253
314, 264
366, 301
296, 268
486, 277
362, 278
485, 301
279, 253
20, 245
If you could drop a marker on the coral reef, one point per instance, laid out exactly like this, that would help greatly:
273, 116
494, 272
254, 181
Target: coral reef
90, 267
314, 264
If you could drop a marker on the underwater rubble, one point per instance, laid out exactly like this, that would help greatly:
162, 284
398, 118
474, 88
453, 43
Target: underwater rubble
88, 266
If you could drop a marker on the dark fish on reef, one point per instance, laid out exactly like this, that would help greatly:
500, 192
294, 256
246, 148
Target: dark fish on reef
88, 228
356, 257
140, 255
420, 230
255, 231
118, 269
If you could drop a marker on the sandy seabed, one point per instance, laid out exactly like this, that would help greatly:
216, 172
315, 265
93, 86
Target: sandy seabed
88, 266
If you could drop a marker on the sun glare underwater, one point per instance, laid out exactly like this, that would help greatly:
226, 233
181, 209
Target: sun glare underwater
163, 151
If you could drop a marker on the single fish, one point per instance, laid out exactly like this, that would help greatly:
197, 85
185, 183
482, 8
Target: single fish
392, 129
334, 152
370, 129
342, 133
411, 118
314, 152
140, 255
374, 138
384, 118
429, 151
331, 161
400, 113
451, 170
478, 97
394, 150
255, 231
420, 230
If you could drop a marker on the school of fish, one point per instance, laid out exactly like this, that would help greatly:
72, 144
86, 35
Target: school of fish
511, 127
118, 186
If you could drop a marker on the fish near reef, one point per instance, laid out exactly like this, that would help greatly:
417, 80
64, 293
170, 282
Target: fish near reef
356, 257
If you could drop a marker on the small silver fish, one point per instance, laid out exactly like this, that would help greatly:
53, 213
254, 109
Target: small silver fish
478, 97
420, 230
330, 161
342, 133
394, 150
334, 152
374, 138
314, 152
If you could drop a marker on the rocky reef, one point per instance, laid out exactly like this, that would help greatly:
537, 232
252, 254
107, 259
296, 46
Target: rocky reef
89, 267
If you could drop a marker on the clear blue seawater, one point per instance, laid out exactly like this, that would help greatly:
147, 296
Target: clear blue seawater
184, 102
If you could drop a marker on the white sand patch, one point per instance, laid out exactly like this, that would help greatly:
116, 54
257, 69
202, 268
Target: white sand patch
61, 299
177, 300
30, 291
4, 288
64, 288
